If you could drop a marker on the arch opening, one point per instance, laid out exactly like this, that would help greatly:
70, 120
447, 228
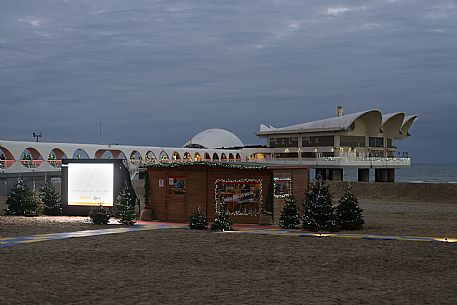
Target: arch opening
150, 157
163, 157
55, 157
176, 157
223, 157
31, 158
187, 157
215, 157
80, 154
207, 156
6, 158
238, 157
197, 157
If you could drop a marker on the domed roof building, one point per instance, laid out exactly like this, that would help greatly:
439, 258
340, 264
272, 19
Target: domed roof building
214, 138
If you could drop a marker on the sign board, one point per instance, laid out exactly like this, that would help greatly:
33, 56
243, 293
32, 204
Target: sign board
90, 184
240, 197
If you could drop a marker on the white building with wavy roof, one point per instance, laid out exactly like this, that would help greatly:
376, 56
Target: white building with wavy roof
363, 140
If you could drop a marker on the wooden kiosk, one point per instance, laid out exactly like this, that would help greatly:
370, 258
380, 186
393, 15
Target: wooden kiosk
249, 193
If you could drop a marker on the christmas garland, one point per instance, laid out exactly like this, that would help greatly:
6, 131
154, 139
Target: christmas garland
204, 163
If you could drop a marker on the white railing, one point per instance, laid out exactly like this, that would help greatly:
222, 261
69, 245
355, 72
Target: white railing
338, 161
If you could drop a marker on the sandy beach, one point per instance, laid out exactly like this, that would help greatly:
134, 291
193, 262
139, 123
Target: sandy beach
191, 267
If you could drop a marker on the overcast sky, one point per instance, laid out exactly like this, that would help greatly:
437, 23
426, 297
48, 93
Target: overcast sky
158, 72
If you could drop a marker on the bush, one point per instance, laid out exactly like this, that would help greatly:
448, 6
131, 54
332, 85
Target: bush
198, 221
23, 201
100, 215
51, 200
125, 208
289, 214
222, 221
348, 212
318, 212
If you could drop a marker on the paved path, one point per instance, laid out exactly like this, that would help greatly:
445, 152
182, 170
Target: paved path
240, 229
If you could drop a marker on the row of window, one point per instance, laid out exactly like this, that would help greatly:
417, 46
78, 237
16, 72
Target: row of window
329, 141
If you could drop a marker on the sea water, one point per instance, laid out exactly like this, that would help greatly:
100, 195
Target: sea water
417, 172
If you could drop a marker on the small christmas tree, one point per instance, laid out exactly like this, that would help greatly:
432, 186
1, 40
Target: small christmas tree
318, 212
348, 212
125, 209
289, 214
222, 221
198, 221
51, 200
23, 201
100, 215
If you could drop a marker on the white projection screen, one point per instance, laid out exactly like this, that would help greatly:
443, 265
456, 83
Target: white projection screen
90, 184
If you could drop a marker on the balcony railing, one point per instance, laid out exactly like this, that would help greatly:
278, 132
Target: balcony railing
338, 161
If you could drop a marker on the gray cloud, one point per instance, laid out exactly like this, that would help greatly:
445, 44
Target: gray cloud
157, 72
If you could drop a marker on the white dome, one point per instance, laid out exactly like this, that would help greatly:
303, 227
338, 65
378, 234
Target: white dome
214, 138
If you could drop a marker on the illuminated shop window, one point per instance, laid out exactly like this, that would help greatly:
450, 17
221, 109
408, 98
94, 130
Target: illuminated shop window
240, 197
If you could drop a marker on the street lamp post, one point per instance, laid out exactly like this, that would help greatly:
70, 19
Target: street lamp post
37, 135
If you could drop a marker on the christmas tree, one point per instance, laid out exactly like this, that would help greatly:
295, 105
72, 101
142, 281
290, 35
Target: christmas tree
22, 201
125, 209
318, 212
289, 214
51, 200
222, 221
348, 212
198, 221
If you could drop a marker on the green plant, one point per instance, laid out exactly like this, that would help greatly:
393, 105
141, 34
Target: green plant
289, 214
349, 215
198, 221
100, 215
125, 208
222, 221
51, 200
318, 211
23, 201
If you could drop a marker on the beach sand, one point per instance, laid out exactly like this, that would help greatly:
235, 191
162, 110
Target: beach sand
192, 267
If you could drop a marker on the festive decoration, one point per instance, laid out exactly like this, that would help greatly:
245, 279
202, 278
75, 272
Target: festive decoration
100, 215
318, 213
289, 214
146, 188
348, 212
222, 221
239, 212
125, 208
198, 221
51, 200
282, 187
205, 163
22, 201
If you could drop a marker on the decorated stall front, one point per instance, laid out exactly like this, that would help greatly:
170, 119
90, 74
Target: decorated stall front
249, 193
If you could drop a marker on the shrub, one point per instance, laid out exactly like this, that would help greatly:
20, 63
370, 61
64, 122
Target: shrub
289, 214
348, 212
318, 212
51, 200
100, 215
198, 221
125, 208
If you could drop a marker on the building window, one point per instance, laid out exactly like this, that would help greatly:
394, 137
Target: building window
239, 197
313, 141
376, 142
352, 141
282, 187
284, 142
176, 185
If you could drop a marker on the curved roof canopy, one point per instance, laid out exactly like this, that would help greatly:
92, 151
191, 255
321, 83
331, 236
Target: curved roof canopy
407, 123
371, 119
214, 138
392, 123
